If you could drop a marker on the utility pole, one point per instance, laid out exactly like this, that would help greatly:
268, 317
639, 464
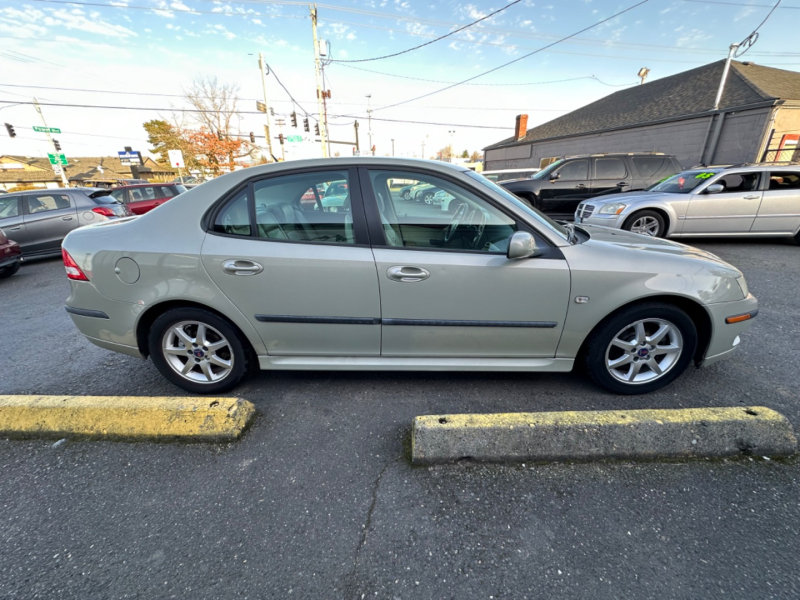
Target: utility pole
731, 51
64, 179
369, 121
323, 133
355, 126
392, 146
262, 66
423, 146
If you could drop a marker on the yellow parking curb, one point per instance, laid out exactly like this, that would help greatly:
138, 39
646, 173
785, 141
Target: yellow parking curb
591, 435
125, 417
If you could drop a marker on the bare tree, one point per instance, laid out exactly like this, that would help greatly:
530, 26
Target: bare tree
216, 103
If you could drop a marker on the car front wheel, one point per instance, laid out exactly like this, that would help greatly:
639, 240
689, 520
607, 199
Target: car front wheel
641, 349
647, 222
198, 351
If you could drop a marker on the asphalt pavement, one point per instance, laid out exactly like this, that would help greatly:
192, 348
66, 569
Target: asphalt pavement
319, 500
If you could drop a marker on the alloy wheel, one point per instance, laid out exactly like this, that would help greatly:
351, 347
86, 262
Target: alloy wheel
644, 351
197, 352
646, 225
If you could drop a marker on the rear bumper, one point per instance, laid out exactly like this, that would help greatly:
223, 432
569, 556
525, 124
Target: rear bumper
106, 323
725, 336
10, 253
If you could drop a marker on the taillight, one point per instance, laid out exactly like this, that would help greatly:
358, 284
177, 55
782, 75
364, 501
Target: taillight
72, 268
105, 211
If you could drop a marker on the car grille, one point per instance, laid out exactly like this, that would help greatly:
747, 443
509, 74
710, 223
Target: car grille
585, 210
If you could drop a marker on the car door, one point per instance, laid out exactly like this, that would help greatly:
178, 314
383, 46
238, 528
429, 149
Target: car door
567, 186
779, 211
611, 176
447, 288
12, 221
305, 278
49, 217
143, 199
731, 210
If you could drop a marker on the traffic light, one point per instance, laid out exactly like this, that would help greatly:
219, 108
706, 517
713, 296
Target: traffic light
219, 135
252, 138
11, 132
57, 145
316, 128
305, 124
294, 119
280, 138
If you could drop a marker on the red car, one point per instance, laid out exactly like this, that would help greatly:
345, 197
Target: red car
144, 197
10, 256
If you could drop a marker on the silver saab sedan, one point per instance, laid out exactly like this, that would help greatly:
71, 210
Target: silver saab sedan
756, 201
252, 269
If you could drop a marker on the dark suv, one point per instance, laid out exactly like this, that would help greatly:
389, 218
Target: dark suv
558, 188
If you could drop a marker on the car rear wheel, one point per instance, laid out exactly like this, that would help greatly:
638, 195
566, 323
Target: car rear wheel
198, 350
647, 222
407, 195
641, 349
428, 198
9, 271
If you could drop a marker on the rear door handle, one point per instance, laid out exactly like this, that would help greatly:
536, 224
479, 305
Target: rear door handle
752, 197
17, 228
623, 183
407, 274
66, 218
241, 267
581, 185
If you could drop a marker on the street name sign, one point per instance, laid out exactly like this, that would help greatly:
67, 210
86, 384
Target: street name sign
294, 138
57, 159
131, 158
47, 129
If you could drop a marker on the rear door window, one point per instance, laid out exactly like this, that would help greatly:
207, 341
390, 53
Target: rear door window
610, 168
779, 180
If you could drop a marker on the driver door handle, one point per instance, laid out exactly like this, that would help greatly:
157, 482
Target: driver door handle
407, 274
241, 267
756, 197
581, 185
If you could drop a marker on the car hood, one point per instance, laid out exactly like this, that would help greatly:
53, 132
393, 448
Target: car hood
644, 243
627, 198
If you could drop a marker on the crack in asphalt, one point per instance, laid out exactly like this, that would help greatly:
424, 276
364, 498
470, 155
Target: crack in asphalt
350, 588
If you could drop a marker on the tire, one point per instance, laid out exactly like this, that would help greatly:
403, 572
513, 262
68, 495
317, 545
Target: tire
532, 200
235, 350
9, 271
603, 352
646, 222
428, 198
406, 195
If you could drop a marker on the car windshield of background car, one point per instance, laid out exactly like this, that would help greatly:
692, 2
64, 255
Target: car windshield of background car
541, 218
685, 182
545, 173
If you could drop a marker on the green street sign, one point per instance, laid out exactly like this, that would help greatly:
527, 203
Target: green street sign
294, 138
57, 159
47, 129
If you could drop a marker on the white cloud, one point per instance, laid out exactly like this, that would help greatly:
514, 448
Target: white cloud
744, 13
351, 36
693, 37
257, 22
95, 24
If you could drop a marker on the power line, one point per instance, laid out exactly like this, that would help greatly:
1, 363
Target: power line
524, 56
441, 37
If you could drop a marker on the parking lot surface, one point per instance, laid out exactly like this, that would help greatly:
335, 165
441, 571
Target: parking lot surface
319, 500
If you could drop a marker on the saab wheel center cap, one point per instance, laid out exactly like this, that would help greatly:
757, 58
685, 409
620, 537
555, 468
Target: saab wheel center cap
199, 353
643, 352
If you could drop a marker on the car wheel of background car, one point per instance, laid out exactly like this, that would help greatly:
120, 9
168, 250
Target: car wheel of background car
198, 351
531, 200
406, 195
647, 222
641, 349
428, 198
9, 271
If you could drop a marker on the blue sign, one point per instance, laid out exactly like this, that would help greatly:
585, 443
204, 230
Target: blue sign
130, 158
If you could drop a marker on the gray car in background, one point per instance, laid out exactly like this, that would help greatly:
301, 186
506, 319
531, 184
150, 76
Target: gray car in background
39, 220
752, 201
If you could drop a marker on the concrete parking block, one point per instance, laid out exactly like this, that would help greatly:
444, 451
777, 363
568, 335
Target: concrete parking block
132, 418
593, 435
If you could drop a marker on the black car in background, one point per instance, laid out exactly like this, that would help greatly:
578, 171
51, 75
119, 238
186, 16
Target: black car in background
557, 189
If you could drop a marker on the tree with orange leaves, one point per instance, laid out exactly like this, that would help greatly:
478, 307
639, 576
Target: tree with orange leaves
214, 154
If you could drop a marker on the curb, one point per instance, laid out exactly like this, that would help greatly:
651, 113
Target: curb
131, 418
596, 435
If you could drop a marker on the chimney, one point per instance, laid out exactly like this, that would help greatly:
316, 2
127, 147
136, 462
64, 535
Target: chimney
521, 127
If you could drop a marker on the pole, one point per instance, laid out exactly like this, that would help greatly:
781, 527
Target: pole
392, 146
323, 134
262, 67
731, 50
355, 125
369, 121
64, 179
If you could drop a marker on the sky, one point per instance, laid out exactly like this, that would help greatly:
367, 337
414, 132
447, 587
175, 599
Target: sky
143, 54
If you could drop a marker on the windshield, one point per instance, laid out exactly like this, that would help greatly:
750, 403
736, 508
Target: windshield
685, 182
542, 219
548, 169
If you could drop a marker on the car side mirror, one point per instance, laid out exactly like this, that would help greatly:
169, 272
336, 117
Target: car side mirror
522, 245
554, 176
715, 188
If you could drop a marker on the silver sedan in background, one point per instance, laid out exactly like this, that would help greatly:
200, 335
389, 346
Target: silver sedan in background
755, 201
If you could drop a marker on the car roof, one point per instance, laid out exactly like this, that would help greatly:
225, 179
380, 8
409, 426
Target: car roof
746, 168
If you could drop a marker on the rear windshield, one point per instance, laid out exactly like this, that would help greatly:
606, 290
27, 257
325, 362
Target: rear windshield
685, 182
102, 197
